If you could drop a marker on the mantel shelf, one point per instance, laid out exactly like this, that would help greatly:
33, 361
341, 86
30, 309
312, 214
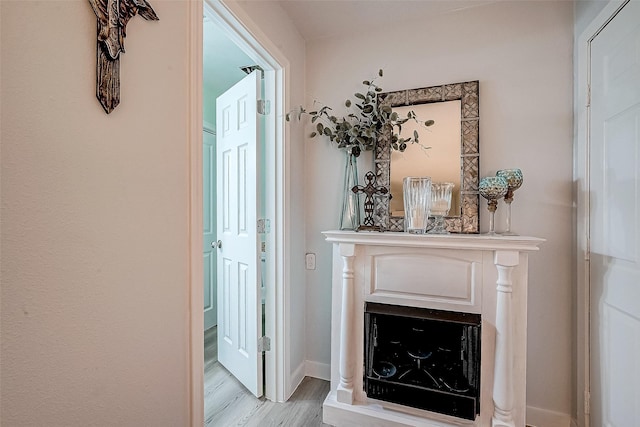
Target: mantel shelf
447, 241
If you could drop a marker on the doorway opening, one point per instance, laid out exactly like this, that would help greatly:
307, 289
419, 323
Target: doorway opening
226, 42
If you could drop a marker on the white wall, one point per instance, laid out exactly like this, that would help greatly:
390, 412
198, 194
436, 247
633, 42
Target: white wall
277, 26
94, 221
521, 52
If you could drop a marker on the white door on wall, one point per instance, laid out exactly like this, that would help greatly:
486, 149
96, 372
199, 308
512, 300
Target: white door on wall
239, 302
615, 221
209, 227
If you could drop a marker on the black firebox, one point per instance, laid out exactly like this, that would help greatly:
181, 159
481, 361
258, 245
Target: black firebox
427, 359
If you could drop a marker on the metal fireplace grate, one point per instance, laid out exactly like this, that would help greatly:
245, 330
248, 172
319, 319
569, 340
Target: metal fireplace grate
423, 358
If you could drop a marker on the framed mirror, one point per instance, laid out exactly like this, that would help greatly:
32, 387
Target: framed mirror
453, 153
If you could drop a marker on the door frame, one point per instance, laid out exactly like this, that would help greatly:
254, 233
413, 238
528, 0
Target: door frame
241, 29
581, 175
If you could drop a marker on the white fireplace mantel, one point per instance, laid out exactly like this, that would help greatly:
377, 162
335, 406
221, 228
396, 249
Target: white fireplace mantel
465, 273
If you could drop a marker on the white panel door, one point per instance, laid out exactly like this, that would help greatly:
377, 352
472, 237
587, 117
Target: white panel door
615, 221
209, 228
239, 303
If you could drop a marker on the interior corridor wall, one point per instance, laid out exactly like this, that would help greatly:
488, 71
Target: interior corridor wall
521, 52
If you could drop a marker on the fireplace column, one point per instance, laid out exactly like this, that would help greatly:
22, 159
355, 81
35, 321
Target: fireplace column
505, 262
347, 336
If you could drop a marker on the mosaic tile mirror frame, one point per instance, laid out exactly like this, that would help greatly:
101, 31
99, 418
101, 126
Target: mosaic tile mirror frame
467, 220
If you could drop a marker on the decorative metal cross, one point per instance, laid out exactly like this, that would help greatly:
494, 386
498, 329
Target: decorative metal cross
113, 16
369, 190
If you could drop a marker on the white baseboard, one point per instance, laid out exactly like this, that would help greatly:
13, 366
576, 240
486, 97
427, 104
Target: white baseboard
544, 418
318, 370
296, 378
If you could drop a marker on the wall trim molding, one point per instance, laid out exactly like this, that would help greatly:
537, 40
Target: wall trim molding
195, 359
318, 370
296, 378
545, 418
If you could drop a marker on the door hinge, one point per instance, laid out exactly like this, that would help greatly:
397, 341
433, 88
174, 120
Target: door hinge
264, 226
264, 107
264, 344
587, 252
587, 402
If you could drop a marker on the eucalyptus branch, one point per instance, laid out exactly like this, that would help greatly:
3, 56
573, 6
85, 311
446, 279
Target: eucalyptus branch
365, 123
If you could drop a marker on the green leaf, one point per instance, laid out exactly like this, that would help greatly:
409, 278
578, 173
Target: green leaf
313, 134
288, 117
366, 82
359, 95
368, 109
347, 103
320, 127
380, 72
415, 134
394, 116
429, 123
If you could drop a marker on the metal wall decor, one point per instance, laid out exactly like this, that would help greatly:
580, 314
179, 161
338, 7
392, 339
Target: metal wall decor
468, 94
369, 190
113, 16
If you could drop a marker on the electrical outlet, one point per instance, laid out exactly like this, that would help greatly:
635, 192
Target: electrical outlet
310, 261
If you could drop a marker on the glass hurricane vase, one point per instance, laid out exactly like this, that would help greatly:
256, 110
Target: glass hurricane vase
440, 205
417, 198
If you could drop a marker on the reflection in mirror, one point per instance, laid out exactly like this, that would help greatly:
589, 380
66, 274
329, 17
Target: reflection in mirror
441, 161
465, 153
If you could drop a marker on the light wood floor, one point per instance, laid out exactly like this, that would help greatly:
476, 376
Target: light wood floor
227, 403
